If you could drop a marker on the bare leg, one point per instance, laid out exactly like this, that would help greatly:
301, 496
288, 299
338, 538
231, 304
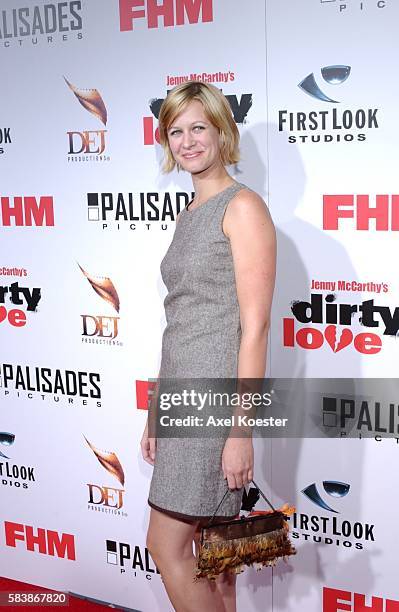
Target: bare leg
225, 583
170, 543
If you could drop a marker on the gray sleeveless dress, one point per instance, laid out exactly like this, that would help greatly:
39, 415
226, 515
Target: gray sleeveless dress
201, 339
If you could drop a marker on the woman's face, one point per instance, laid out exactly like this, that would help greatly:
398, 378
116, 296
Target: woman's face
194, 140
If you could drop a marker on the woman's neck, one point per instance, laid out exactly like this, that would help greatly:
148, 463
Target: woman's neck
206, 187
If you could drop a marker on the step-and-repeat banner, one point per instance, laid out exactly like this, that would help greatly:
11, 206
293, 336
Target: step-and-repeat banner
86, 217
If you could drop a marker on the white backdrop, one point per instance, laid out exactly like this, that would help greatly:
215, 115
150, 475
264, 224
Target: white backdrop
99, 318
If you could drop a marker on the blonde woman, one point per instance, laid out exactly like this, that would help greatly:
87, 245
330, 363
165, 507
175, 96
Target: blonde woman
219, 272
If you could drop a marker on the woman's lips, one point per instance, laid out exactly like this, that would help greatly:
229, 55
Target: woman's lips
192, 155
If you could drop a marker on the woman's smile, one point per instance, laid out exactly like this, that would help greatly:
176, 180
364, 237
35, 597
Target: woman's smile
192, 155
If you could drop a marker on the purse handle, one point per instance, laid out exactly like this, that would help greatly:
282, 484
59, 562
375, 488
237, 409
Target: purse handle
228, 491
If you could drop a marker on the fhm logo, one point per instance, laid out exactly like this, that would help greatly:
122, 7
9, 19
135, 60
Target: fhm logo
27, 211
144, 393
172, 12
332, 75
382, 217
335, 600
45, 541
331, 487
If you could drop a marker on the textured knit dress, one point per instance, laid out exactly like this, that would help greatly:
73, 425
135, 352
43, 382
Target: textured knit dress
201, 340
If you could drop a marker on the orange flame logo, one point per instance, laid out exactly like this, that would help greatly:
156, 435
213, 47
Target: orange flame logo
91, 100
104, 287
110, 461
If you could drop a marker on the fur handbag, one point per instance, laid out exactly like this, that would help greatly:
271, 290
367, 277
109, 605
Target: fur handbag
258, 539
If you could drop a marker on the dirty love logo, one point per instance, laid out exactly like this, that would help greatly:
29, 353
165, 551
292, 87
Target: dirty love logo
332, 321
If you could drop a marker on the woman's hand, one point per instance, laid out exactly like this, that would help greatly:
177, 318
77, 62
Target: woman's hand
238, 461
148, 446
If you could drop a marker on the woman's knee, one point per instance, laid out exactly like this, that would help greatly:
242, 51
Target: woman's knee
169, 540
152, 544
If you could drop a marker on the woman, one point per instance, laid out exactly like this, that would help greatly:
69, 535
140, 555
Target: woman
219, 271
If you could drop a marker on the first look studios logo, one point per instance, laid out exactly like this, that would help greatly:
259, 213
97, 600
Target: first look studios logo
11, 474
329, 122
5, 139
330, 529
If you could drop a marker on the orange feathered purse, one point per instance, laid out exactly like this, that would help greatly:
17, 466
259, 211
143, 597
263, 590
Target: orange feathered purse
258, 539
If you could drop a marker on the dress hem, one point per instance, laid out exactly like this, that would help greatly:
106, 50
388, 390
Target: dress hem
191, 517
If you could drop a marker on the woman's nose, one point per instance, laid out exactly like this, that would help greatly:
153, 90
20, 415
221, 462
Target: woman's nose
188, 139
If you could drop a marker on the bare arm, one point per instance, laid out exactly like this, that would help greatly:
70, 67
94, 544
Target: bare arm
253, 243
252, 235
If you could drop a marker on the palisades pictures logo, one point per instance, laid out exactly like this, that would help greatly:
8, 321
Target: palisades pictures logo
167, 13
330, 529
88, 145
41, 24
27, 211
348, 7
101, 329
329, 122
49, 384
103, 498
133, 560
240, 106
366, 213
337, 600
336, 319
361, 416
144, 210
17, 296
40, 540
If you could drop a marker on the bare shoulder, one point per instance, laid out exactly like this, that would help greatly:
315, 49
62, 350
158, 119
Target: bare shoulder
247, 210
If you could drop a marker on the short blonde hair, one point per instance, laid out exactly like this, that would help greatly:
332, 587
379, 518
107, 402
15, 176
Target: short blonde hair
216, 108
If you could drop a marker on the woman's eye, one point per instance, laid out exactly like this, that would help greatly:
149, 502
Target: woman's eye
199, 127
174, 132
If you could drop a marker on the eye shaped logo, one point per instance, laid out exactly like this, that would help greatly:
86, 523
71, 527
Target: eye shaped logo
332, 487
6, 439
333, 75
